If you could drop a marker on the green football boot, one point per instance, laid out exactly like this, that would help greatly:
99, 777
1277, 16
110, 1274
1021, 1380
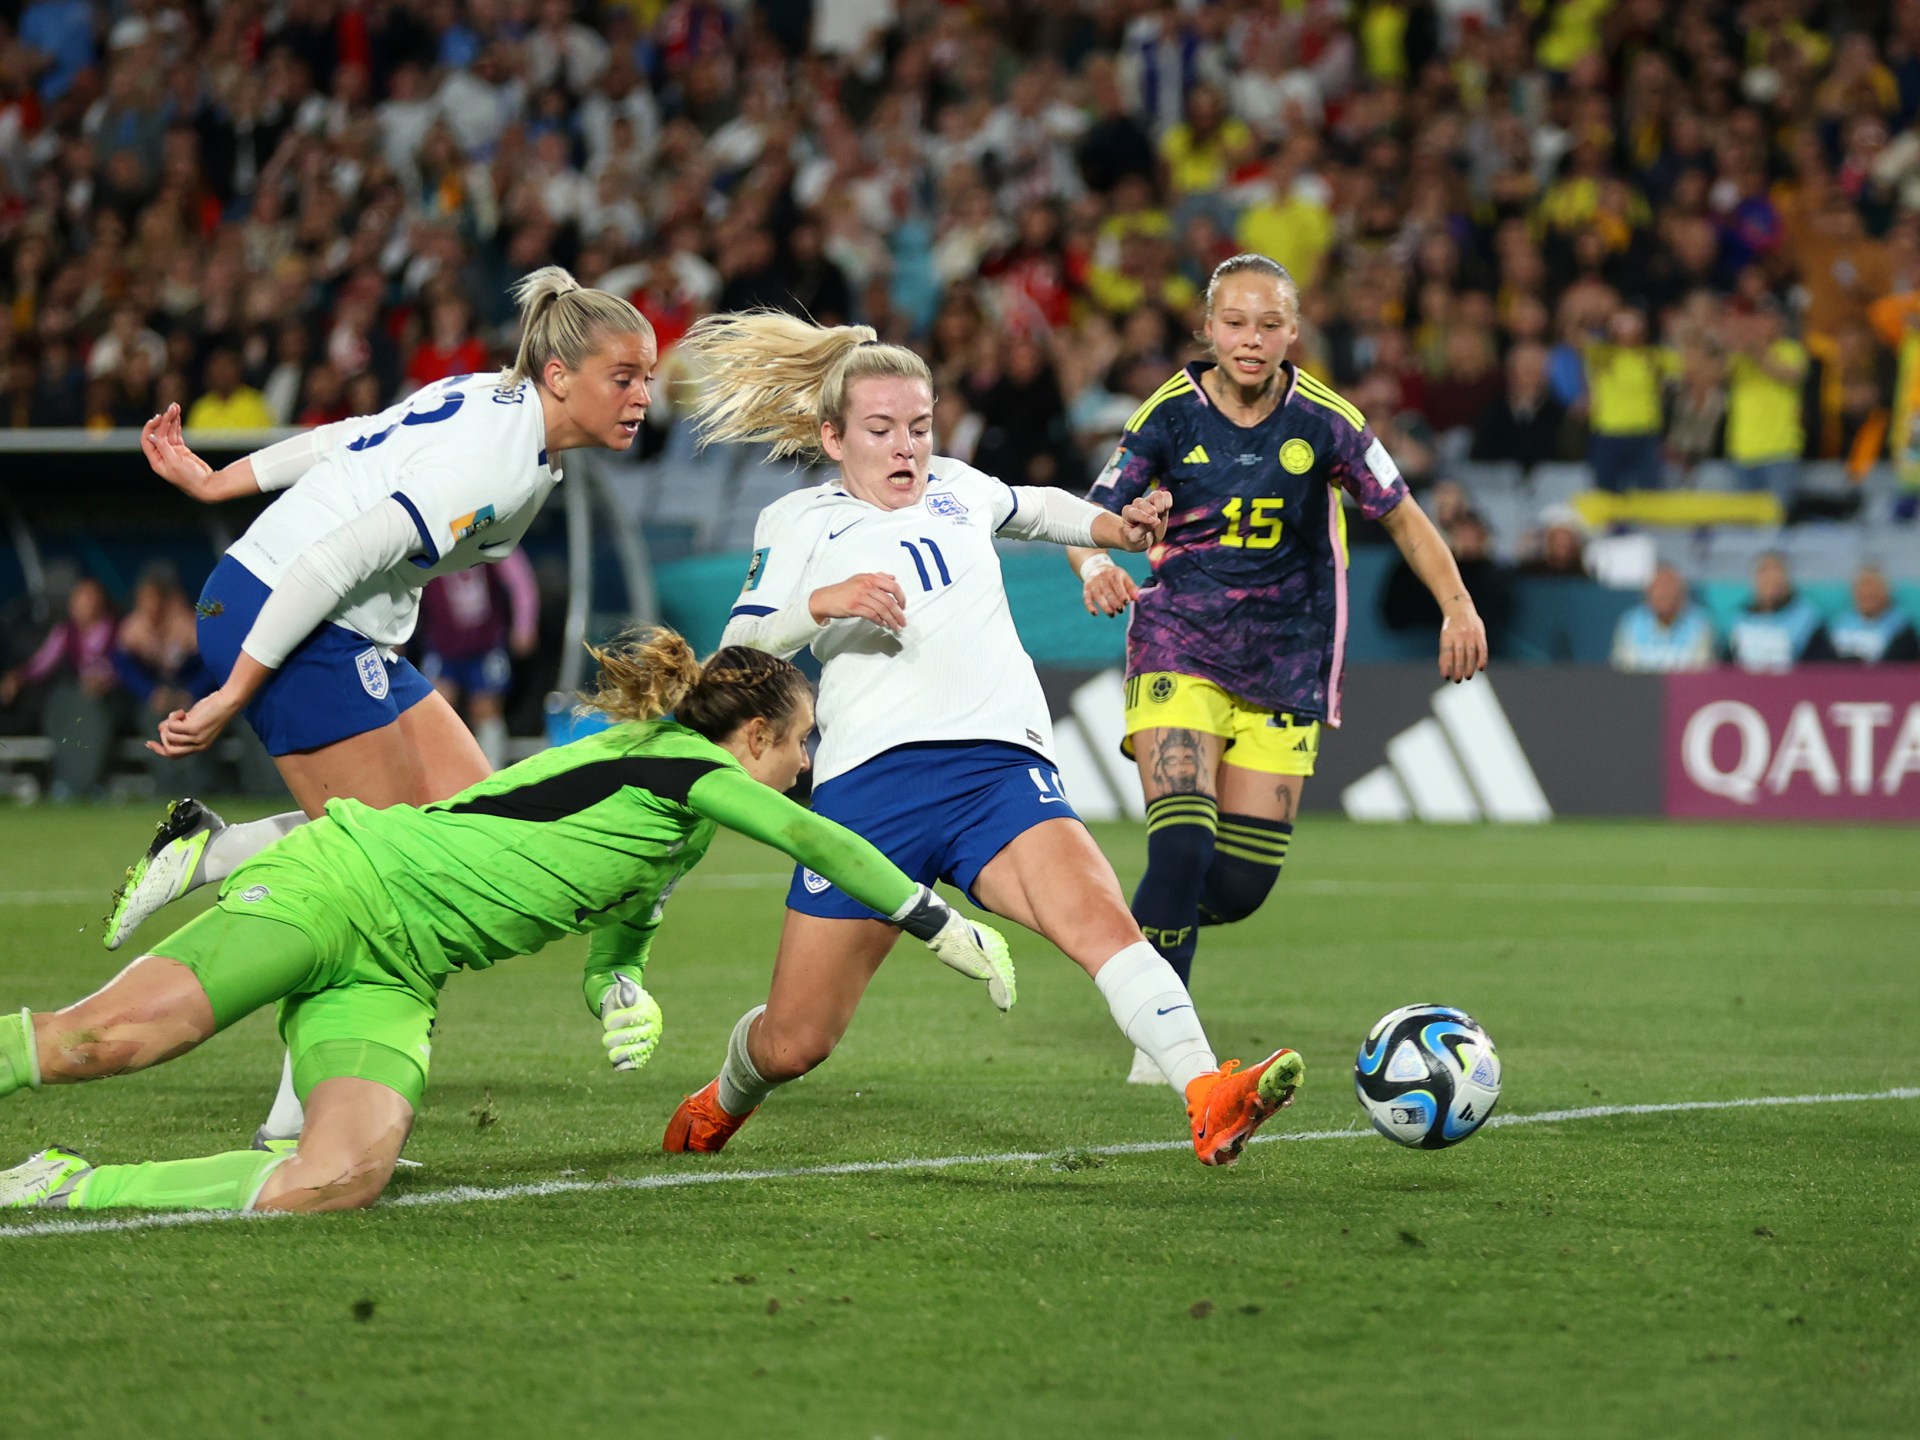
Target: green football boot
47, 1181
166, 871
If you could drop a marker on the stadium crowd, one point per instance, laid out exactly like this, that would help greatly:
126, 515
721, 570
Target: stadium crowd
1651, 237
1643, 234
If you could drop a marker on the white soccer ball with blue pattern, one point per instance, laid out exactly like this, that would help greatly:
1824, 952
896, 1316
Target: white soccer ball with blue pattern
1427, 1076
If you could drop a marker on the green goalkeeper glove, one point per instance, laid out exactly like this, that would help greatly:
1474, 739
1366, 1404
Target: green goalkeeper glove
631, 1020
977, 951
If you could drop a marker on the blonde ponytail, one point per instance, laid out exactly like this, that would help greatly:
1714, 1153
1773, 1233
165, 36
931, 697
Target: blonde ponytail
562, 319
773, 379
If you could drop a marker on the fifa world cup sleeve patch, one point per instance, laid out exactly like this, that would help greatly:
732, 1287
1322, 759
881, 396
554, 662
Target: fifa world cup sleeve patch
756, 567
1112, 471
473, 522
1382, 466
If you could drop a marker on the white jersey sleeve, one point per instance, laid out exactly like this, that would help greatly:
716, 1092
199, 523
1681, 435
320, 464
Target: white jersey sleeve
464, 458
322, 575
772, 612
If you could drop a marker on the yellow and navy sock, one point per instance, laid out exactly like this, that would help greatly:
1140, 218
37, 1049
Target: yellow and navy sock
1247, 855
1179, 852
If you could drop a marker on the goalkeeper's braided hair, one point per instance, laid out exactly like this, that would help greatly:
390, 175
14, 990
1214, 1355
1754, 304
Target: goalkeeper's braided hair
646, 673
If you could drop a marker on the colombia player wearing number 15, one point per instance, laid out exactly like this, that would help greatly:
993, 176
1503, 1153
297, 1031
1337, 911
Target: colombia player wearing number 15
1235, 649
934, 731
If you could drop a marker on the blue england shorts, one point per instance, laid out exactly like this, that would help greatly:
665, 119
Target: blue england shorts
335, 684
938, 811
487, 674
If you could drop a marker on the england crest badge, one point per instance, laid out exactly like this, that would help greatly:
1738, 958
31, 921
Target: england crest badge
373, 672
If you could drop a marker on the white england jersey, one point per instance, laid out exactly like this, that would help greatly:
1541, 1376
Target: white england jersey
957, 670
466, 459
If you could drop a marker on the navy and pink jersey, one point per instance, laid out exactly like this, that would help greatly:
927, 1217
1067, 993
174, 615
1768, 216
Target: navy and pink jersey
1249, 588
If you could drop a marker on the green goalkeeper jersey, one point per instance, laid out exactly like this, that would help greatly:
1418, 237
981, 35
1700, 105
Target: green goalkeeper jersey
591, 836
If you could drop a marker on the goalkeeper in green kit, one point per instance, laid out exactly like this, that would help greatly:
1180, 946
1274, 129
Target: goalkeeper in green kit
353, 923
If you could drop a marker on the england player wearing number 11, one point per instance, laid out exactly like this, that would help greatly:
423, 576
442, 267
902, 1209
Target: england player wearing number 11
934, 731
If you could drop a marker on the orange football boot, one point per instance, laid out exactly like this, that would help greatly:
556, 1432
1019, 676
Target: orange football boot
700, 1125
1227, 1105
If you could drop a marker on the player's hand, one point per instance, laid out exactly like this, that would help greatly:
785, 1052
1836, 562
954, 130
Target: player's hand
1463, 644
169, 455
1105, 587
1144, 520
872, 596
632, 1021
187, 732
980, 953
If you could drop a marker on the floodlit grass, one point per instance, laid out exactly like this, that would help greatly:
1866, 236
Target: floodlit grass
1747, 1271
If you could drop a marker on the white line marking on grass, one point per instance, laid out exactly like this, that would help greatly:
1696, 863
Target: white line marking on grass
49, 897
1670, 894
478, 1194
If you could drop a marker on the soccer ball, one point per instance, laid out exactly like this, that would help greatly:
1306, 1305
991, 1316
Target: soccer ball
1427, 1076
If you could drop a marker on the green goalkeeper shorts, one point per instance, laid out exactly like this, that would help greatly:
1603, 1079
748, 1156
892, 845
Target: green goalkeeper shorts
341, 1015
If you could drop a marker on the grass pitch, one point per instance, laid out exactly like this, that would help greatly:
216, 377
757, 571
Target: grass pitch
1733, 1271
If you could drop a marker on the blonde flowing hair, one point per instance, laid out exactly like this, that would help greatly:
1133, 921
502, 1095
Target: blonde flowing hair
774, 379
562, 319
650, 672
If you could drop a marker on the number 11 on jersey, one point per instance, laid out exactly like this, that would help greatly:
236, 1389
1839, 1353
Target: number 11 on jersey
939, 561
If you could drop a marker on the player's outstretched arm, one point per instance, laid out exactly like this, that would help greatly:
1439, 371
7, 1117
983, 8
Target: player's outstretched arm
631, 1023
1463, 635
730, 798
306, 593
1140, 524
1105, 588
273, 468
173, 460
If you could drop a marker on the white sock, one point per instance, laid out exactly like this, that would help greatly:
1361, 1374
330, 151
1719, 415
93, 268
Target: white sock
236, 844
1153, 1009
742, 1087
287, 1118
492, 735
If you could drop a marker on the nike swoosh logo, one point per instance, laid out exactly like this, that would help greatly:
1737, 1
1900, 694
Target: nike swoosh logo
836, 534
1171, 1008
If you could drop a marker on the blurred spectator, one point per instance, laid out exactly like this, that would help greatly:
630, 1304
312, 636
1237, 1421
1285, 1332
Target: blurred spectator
449, 346
59, 34
1625, 377
1778, 628
1023, 439
1291, 221
78, 707
228, 404
473, 625
1558, 546
1765, 438
1466, 384
1876, 630
1525, 425
1666, 631
1405, 604
1696, 427
157, 657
